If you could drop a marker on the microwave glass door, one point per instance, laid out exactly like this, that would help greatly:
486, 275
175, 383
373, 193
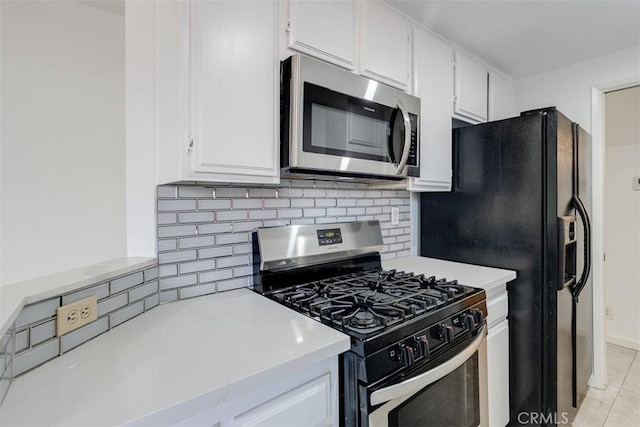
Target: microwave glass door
342, 125
450, 401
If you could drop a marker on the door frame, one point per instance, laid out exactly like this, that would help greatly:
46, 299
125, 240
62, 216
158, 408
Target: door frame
599, 377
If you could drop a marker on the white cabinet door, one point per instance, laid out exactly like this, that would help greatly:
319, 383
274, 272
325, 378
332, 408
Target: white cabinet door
502, 97
385, 45
307, 405
470, 78
433, 83
325, 29
233, 91
498, 374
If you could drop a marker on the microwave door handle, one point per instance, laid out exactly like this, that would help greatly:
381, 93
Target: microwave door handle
419, 382
407, 136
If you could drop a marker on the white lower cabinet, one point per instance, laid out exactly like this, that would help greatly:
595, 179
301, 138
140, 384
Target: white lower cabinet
498, 357
306, 397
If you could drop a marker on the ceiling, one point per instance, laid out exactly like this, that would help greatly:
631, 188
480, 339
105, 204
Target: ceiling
526, 37
111, 6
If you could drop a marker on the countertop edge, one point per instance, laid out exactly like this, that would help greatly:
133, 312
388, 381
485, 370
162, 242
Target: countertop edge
14, 296
494, 277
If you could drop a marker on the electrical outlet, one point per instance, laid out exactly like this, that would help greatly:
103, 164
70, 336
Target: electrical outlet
77, 314
395, 215
608, 313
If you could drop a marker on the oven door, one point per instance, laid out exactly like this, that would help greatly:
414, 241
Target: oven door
453, 393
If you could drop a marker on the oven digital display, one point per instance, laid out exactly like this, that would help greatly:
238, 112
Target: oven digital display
329, 237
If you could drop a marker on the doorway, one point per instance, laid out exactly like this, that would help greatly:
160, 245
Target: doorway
622, 216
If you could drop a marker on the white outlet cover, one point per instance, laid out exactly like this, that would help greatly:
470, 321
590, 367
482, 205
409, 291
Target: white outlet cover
636, 183
395, 215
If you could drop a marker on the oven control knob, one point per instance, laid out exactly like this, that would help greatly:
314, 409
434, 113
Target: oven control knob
406, 355
469, 321
446, 332
477, 316
422, 346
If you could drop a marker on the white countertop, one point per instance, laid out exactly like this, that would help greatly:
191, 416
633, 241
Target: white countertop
488, 278
174, 358
16, 295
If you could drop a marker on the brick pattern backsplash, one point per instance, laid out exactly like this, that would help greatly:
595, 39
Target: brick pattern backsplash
31, 340
204, 232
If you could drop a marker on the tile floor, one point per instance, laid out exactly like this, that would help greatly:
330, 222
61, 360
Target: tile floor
619, 404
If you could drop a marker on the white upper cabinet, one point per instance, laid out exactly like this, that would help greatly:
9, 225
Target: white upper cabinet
502, 97
385, 45
470, 91
217, 111
325, 29
234, 90
433, 83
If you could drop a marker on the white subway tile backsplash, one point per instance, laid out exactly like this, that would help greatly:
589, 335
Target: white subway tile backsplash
167, 245
119, 285
21, 341
196, 242
225, 239
290, 192
178, 282
113, 303
190, 217
167, 270
192, 267
214, 252
167, 218
277, 203
42, 332
151, 273
246, 204
214, 205
84, 334
232, 261
167, 192
290, 213
176, 230
143, 291
230, 192
35, 357
151, 302
171, 257
38, 311
216, 275
263, 214
195, 192
196, 291
176, 205
122, 315
214, 228
100, 291
231, 213
227, 285
236, 215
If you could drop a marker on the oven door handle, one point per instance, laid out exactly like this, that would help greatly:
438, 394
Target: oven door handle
416, 384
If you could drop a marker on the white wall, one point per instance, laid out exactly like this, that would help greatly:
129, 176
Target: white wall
569, 88
63, 137
622, 216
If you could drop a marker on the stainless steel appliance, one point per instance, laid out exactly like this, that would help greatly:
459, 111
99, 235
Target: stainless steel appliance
334, 122
520, 200
418, 352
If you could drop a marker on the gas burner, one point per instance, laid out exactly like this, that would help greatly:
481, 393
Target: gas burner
372, 300
363, 318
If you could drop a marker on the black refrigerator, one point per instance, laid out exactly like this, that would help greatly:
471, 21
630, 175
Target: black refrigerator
520, 200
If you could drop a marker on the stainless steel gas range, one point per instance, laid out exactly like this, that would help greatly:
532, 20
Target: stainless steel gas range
418, 348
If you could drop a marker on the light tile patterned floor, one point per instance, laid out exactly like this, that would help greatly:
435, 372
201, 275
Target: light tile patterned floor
619, 404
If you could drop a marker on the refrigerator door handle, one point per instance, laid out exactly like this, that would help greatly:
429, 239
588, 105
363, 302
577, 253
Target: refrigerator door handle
584, 215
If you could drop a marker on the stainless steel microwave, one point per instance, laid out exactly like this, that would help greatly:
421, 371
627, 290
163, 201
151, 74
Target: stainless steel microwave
334, 122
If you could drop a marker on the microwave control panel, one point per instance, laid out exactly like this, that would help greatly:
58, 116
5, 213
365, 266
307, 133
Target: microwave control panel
413, 149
